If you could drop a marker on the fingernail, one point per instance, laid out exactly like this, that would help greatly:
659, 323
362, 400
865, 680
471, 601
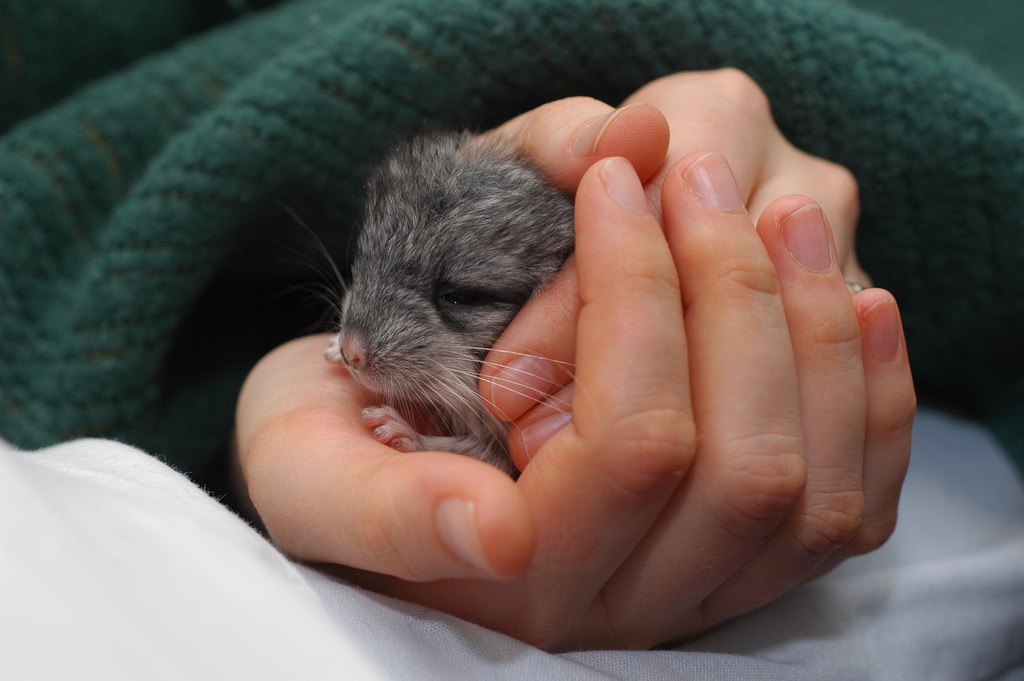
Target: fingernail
711, 179
806, 238
883, 329
588, 137
523, 382
536, 434
456, 523
623, 186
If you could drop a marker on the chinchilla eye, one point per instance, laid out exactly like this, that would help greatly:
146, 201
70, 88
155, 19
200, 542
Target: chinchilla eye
468, 298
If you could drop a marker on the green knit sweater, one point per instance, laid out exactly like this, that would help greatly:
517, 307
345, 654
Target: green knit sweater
148, 254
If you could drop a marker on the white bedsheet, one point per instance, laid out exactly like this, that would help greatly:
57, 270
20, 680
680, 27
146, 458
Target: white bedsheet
114, 566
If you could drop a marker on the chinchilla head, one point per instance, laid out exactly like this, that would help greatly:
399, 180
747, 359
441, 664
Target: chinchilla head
457, 235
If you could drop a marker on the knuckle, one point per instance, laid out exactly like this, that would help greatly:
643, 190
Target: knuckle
872, 535
578, 107
744, 277
840, 179
551, 118
750, 275
386, 538
652, 447
382, 547
833, 523
765, 481
584, 102
836, 334
738, 87
840, 184
896, 419
649, 285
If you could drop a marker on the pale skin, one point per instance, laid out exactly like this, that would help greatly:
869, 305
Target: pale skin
738, 422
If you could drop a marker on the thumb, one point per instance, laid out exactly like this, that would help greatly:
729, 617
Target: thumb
328, 492
566, 136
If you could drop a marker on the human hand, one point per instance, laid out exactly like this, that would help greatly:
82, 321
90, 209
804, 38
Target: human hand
328, 492
653, 513
688, 488
848, 504
298, 419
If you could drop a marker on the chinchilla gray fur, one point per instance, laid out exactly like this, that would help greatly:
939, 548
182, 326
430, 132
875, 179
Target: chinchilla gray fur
457, 235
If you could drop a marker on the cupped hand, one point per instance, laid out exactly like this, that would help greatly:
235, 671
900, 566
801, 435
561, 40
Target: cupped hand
695, 475
690, 483
328, 492
857, 407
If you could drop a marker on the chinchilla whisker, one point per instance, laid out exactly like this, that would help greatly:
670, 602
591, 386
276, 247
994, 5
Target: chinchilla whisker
553, 403
467, 379
510, 379
467, 396
457, 405
331, 313
319, 291
520, 388
443, 383
464, 394
502, 415
523, 354
319, 267
505, 376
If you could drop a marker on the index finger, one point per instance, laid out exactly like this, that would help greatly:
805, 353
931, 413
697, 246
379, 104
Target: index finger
604, 479
632, 369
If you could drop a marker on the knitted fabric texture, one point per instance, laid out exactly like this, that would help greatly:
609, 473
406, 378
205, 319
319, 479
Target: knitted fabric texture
150, 249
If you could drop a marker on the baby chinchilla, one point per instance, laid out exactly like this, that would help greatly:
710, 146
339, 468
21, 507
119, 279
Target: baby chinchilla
457, 235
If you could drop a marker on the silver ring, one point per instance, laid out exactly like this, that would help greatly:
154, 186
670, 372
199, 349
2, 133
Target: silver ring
854, 287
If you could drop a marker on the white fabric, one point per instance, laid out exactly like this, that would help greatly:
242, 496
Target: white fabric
114, 566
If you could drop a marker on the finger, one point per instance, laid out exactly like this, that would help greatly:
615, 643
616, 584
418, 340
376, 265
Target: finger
566, 136
327, 492
826, 343
791, 171
749, 470
602, 480
534, 357
535, 428
891, 404
630, 329
723, 110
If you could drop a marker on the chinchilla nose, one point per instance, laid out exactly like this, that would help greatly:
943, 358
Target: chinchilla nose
353, 351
